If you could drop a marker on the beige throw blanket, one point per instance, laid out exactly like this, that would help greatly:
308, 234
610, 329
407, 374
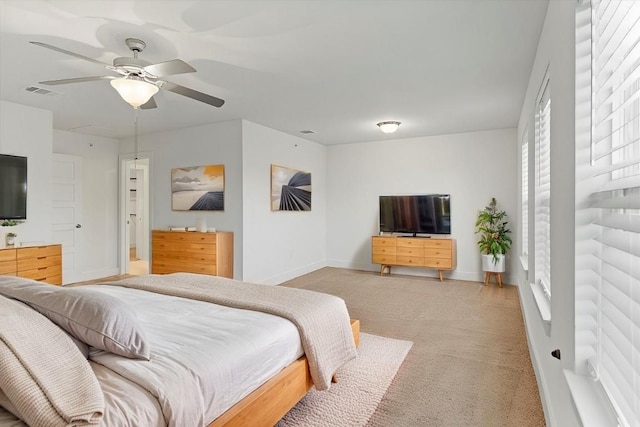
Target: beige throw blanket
44, 379
323, 320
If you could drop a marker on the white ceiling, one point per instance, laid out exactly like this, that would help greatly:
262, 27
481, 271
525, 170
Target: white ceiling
334, 67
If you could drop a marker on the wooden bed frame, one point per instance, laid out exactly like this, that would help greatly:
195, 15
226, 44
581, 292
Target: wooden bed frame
266, 405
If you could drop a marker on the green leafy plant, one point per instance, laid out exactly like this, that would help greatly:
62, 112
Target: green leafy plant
12, 235
9, 223
491, 224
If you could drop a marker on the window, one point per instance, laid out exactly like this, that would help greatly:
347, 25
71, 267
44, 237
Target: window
610, 280
542, 225
524, 208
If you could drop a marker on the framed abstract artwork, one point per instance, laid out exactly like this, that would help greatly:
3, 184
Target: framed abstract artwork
197, 188
290, 189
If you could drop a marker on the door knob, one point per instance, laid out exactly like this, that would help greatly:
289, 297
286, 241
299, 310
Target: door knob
78, 226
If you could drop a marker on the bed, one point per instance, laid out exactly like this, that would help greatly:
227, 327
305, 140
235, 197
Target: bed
179, 349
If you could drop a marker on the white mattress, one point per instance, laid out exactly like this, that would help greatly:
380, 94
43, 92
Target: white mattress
230, 351
234, 351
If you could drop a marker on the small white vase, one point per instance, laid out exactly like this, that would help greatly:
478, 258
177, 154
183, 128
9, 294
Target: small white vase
10, 241
489, 264
201, 224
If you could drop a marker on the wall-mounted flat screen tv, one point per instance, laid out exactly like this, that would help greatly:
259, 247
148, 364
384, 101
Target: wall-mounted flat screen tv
13, 187
417, 214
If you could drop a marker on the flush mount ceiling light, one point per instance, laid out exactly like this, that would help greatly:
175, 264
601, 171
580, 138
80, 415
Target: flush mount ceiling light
134, 90
388, 127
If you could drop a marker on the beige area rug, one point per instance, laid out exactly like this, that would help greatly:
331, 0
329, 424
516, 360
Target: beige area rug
361, 385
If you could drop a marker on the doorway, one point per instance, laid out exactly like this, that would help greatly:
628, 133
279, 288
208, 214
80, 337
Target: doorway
134, 212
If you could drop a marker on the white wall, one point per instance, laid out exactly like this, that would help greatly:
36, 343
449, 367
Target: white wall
96, 256
213, 144
27, 131
472, 167
281, 245
556, 51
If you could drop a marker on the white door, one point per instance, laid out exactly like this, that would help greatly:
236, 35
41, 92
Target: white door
66, 220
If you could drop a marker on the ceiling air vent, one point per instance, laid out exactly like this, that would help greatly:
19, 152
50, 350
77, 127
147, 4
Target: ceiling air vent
307, 131
41, 91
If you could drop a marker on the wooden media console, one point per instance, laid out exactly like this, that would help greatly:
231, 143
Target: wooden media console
436, 253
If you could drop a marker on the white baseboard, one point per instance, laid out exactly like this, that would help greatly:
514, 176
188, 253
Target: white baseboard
543, 388
96, 274
472, 276
292, 274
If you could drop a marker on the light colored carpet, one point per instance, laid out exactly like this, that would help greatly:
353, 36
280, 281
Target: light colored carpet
469, 365
361, 384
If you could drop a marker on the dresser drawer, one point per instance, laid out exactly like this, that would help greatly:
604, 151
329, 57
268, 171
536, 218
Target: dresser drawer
411, 242
38, 251
437, 253
410, 260
8, 268
8, 262
172, 266
51, 274
438, 263
192, 252
437, 243
410, 251
383, 259
25, 264
388, 242
183, 237
7, 255
384, 250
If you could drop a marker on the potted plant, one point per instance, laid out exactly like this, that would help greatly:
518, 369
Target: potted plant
495, 241
11, 238
8, 223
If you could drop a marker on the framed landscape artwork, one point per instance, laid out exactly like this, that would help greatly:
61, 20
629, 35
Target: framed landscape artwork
290, 189
197, 188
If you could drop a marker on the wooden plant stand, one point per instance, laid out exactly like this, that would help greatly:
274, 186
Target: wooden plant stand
488, 275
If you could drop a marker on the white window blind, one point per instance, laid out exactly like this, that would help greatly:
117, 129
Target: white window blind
542, 225
615, 196
524, 209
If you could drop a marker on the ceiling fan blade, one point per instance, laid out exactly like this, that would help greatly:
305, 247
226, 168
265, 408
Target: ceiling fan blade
190, 93
77, 55
151, 103
76, 80
175, 66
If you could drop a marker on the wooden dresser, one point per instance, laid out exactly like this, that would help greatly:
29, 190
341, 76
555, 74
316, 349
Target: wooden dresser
192, 252
8, 262
436, 253
42, 263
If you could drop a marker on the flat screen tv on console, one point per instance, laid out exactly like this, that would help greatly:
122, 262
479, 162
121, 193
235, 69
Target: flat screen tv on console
13, 187
417, 214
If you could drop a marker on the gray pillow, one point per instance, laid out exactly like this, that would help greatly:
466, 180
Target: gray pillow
95, 318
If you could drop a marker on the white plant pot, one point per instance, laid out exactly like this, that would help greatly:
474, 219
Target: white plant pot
10, 241
489, 264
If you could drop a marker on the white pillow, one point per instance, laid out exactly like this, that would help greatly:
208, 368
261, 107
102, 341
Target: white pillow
95, 318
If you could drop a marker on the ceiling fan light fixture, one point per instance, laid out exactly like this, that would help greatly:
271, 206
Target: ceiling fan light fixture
134, 91
389, 127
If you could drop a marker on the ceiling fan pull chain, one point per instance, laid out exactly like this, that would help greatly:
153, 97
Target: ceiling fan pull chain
135, 138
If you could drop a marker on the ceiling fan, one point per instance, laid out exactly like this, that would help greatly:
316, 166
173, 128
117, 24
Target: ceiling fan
139, 80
